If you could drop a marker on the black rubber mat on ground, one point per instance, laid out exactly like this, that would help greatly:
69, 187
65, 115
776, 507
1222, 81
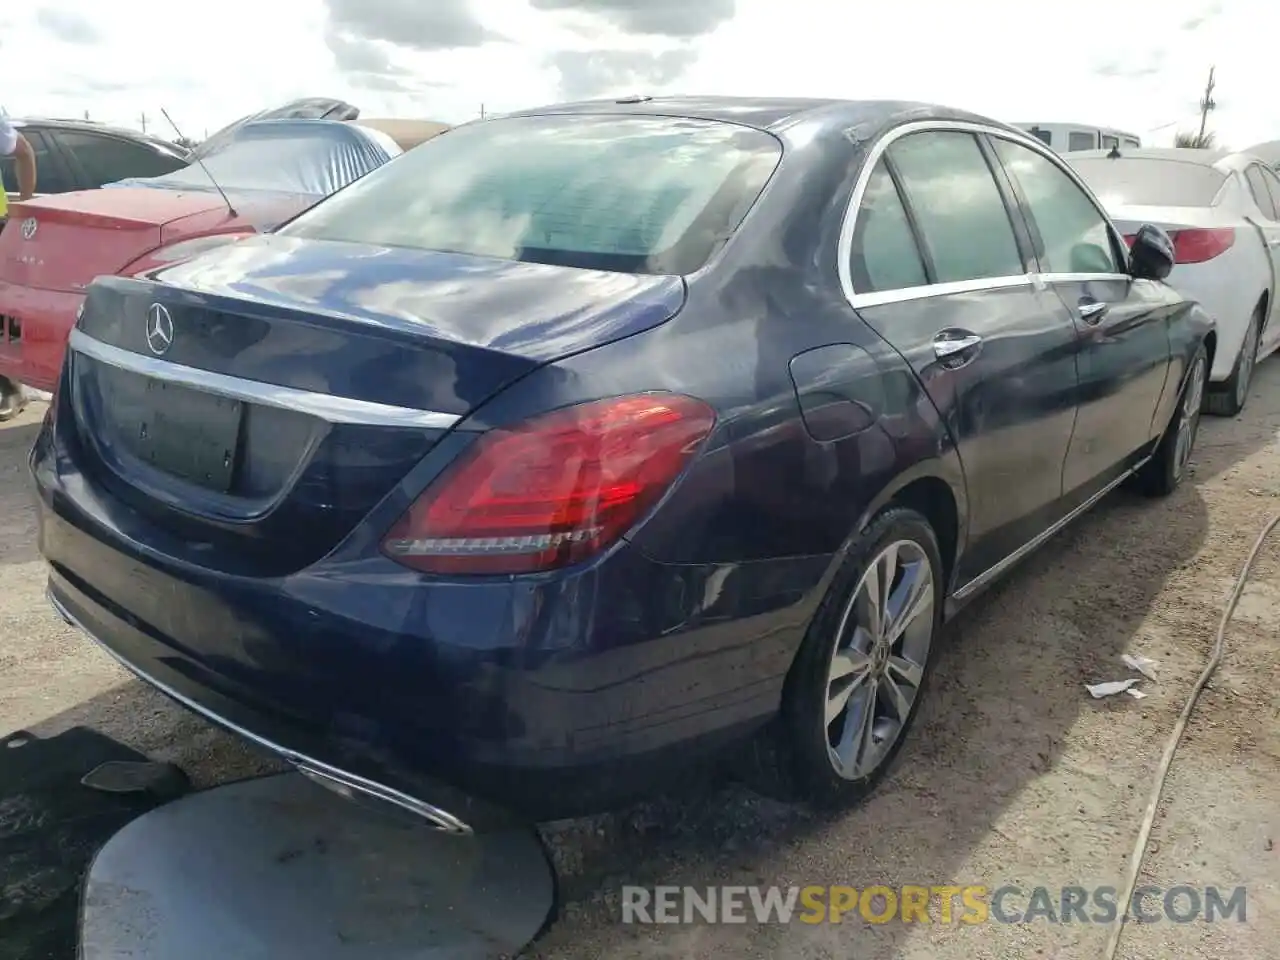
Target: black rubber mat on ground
51, 825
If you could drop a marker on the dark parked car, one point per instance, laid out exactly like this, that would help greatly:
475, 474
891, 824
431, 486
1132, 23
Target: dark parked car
80, 155
573, 447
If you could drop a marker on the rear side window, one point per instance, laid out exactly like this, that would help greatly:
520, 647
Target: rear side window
1149, 182
958, 207
1073, 232
1261, 194
1082, 141
107, 159
884, 255
627, 194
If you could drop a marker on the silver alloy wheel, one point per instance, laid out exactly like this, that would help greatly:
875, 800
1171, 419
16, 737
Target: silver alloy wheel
879, 658
1188, 416
1248, 357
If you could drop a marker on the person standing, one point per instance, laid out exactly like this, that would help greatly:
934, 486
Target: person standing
14, 144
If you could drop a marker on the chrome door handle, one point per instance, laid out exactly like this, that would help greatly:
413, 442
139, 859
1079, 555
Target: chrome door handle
944, 348
1093, 312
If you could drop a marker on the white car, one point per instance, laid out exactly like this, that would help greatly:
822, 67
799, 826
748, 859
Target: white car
1222, 211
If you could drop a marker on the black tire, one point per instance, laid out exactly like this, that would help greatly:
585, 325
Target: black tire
12, 399
1167, 468
1228, 399
795, 760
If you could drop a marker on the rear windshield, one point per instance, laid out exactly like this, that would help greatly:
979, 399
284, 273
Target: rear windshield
627, 194
1149, 183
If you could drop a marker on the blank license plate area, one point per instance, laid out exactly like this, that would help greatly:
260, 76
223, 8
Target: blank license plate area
189, 434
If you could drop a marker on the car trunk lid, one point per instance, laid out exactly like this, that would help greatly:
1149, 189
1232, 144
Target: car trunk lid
62, 242
293, 384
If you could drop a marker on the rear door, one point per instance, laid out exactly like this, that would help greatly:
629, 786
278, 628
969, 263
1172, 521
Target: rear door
938, 270
1123, 342
1265, 187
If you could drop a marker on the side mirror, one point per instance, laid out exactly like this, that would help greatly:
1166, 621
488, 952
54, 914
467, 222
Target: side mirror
1151, 254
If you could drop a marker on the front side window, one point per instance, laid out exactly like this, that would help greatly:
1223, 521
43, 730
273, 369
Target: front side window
961, 215
49, 175
884, 255
1073, 232
627, 194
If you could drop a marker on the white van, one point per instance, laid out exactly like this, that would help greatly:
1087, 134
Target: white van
1069, 137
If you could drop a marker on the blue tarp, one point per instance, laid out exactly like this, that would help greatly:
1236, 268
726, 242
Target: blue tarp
297, 157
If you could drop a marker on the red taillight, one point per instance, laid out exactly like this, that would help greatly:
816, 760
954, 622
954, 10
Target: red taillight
1197, 246
552, 491
1129, 238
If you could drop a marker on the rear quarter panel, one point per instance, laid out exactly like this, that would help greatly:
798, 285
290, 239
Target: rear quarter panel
763, 489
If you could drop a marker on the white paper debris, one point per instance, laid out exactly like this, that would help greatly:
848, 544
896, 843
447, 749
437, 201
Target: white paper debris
1144, 665
1110, 688
1135, 693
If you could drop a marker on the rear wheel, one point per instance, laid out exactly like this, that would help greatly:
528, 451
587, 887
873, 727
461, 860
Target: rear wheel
12, 400
1167, 467
1229, 399
859, 677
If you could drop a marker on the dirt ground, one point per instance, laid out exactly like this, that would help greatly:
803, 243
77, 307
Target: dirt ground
1014, 775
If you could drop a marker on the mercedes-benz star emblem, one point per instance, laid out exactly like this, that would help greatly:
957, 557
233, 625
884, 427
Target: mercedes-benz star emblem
29, 228
159, 329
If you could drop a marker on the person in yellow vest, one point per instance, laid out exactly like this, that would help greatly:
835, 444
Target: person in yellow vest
14, 144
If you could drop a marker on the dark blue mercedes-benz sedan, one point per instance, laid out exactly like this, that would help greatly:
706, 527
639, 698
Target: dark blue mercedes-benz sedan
576, 446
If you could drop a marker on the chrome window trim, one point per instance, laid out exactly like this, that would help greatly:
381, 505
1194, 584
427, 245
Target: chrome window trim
849, 222
321, 405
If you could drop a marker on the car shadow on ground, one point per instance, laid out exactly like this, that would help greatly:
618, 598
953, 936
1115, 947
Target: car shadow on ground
1008, 687
1007, 691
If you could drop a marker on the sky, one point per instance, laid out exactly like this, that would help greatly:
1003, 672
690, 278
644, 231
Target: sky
1140, 66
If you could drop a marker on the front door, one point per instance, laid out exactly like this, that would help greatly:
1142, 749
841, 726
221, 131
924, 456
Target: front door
938, 271
1121, 324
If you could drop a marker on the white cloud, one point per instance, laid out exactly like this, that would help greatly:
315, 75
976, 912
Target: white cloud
1138, 66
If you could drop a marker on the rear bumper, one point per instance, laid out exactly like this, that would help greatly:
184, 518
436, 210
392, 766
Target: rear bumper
74, 609
466, 703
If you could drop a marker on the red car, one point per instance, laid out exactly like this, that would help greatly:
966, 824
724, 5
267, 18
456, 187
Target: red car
54, 246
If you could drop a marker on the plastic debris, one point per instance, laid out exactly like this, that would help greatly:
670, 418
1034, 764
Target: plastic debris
1135, 693
1143, 665
1110, 688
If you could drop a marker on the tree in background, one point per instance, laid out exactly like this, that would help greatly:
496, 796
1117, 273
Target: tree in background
187, 143
1196, 141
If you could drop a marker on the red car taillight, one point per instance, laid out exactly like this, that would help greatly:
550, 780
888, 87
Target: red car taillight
552, 491
1198, 246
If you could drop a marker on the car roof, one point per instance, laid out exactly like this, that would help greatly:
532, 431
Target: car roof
90, 126
1201, 158
770, 113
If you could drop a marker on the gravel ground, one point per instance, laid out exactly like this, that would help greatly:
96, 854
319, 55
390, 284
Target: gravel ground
1014, 775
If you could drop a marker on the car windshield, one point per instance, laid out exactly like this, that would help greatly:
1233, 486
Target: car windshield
626, 194
1139, 181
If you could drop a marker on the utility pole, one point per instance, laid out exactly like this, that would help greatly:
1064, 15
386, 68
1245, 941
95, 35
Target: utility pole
143, 118
1207, 103
86, 114
482, 111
